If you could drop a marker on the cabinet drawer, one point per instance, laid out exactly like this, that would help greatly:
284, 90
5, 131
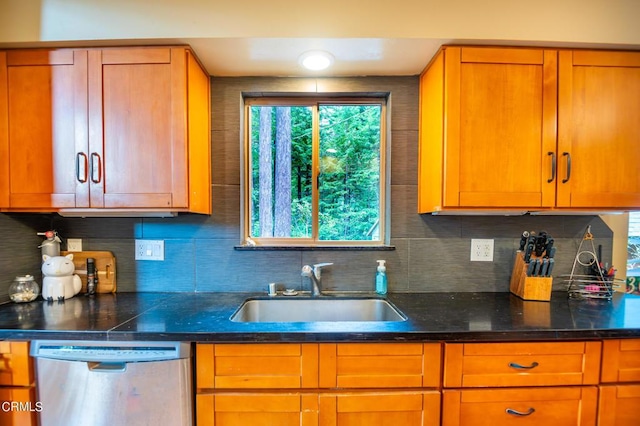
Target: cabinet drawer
239, 409
16, 368
530, 406
621, 361
380, 365
257, 366
521, 364
618, 405
380, 408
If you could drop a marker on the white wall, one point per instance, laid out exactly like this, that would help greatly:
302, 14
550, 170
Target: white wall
567, 21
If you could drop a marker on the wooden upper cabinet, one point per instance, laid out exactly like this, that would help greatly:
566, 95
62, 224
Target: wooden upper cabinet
487, 129
521, 129
149, 130
137, 99
43, 135
116, 128
599, 129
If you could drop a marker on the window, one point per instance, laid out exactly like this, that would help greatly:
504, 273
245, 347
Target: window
314, 171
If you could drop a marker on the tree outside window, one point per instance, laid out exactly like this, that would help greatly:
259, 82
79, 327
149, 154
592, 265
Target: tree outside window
315, 171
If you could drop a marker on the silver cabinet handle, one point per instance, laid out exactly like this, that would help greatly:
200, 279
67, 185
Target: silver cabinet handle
513, 412
553, 166
81, 158
534, 364
96, 166
566, 179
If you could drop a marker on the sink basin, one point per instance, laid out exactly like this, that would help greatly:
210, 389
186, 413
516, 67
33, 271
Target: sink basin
317, 310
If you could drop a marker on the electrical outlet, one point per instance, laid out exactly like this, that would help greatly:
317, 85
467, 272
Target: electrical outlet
74, 244
481, 250
149, 250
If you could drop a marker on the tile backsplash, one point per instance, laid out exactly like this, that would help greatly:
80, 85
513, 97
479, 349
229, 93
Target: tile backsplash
431, 252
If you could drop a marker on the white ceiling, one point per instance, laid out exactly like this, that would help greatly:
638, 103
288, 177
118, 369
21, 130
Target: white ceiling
366, 37
279, 56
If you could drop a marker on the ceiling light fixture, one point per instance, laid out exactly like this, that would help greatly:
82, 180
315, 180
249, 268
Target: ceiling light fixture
316, 60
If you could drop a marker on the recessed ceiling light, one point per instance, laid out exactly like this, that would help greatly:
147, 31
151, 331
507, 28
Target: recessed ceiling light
316, 60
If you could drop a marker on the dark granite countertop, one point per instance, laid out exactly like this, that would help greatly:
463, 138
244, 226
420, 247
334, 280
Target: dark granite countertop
204, 317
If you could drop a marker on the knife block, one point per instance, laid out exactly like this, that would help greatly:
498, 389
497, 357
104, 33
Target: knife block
528, 288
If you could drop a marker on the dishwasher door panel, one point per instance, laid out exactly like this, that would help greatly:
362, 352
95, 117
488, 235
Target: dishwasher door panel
78, 393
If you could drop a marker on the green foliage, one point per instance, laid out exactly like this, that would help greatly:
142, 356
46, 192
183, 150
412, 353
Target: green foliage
349, 181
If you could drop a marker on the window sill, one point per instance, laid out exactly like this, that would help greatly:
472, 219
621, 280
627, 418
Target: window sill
314, 248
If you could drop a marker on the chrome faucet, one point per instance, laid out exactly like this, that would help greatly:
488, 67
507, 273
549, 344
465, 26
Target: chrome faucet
315, 275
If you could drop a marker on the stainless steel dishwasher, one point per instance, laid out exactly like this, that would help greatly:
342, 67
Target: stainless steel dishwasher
113, 383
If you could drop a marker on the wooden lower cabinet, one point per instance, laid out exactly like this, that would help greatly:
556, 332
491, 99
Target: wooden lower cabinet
558, 406
327, 384
521, 364
18, 404
319, 409
380, 365
620, 390
257, 409
617, 405
621, 361
257, 366
380, 408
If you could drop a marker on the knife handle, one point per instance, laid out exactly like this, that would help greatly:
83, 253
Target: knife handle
536, 267
527, 253
530, 269
523, 240
544, 268
551, 263
551, 253
548, 247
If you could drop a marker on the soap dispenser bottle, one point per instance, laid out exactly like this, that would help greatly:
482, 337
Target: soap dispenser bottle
381, 278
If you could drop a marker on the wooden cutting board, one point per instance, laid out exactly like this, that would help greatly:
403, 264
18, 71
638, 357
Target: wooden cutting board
105, 265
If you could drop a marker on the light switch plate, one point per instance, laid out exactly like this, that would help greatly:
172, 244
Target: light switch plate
481, 250
74, 244
149, 250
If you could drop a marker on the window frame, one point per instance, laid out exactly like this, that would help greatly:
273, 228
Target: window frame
314, 101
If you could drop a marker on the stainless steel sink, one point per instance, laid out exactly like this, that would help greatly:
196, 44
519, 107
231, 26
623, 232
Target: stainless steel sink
317, 310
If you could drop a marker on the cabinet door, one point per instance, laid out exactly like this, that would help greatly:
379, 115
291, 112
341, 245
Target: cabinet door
500, 115
558, 406
19, 407
380, 409
617, 405
45, 166
137, 125
257, 409
621, 361
16, 366
599, 130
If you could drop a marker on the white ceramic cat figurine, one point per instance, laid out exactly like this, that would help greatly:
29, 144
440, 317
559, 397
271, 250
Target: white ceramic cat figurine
59, 281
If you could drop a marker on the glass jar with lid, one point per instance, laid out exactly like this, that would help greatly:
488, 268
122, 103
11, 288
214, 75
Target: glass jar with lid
24, 289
